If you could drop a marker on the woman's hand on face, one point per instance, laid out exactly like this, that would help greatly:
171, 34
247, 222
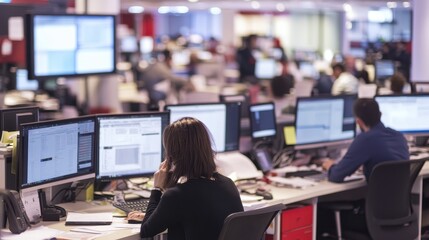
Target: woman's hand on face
135, 215
160, 176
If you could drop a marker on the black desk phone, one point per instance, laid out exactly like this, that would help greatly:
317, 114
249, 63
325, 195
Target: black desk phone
15, 211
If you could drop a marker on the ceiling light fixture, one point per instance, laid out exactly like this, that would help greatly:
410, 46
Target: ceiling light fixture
391, 4
347, 7
255, 4
280, 7
136, 9
406, 4
215, 10
192, 1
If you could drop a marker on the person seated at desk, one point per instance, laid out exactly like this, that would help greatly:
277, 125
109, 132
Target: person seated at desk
374, 145
190, 198
280, 87
345, 82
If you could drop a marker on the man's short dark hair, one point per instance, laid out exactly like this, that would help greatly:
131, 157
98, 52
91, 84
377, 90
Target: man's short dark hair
368, 111
339, 66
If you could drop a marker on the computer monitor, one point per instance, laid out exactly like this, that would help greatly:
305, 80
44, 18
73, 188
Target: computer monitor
266, 68
262, 121
244, 99
383, 70
56, 152
221, 119
322, 121
130, 145
408, 113
421, 87
22, 83
60, 45
12, 118
308, 70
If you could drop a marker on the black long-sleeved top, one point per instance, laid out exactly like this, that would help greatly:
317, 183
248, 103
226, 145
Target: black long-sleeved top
193, 210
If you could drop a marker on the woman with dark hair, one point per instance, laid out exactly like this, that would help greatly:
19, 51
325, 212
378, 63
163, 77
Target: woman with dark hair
189, 197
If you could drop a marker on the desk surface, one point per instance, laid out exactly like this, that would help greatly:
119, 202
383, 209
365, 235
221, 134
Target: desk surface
281, 195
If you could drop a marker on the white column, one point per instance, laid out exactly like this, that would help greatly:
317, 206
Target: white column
228, 27
420, 40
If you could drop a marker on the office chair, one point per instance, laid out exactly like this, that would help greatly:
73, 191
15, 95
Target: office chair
249, 225
389, 202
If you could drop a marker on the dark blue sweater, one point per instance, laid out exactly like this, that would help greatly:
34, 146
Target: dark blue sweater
378, 145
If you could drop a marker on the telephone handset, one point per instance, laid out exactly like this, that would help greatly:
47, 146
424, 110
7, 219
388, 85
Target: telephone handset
15, 211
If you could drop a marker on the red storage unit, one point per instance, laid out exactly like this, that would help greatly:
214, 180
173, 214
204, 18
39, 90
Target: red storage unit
297, 223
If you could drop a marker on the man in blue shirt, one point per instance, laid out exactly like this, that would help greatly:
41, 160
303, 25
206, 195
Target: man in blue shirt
374, 145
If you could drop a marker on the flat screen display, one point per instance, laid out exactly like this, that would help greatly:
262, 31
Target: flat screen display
262, 121
405, 113
221, 119
130, 145
70, 45
57, 152
323, 120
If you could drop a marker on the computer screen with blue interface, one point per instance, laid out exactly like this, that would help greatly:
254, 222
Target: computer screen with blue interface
262, 120
130, 145
221, 119
384, 69
405, 113
323, 120
57, 152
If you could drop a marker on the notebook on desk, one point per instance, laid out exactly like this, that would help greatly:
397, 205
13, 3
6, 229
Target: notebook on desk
104, 218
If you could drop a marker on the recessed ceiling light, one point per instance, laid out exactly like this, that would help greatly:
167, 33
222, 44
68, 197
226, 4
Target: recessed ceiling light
406, 4
280, 7
255, 4
391, 4
192, 1
136, 9
215, 11
347, 7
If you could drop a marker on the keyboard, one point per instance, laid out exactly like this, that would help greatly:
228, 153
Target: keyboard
129, 206
318, 177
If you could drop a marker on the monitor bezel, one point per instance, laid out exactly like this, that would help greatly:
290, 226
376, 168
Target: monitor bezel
125, 115
377, 78
239, 103
264, 138
30, 54
53, 181
33, 109
422, 94
320, 144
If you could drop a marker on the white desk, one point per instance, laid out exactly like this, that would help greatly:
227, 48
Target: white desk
281, 195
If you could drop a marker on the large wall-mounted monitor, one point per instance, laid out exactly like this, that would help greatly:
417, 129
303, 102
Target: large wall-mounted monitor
221, 119
57, 152
70, 45
130, 145
322, 121
408, 113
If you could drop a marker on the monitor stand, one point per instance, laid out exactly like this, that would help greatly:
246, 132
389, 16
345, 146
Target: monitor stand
50, 212
236, 166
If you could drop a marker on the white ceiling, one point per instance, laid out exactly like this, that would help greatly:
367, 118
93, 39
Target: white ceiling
265, 5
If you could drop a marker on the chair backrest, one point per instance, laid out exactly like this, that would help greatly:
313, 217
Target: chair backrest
249, 225
389, 211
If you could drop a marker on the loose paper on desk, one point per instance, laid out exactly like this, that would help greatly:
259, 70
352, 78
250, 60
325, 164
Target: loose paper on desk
103, 218
34, 233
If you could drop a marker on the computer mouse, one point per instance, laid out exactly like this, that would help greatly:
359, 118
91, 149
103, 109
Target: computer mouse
134, 221
263, 193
